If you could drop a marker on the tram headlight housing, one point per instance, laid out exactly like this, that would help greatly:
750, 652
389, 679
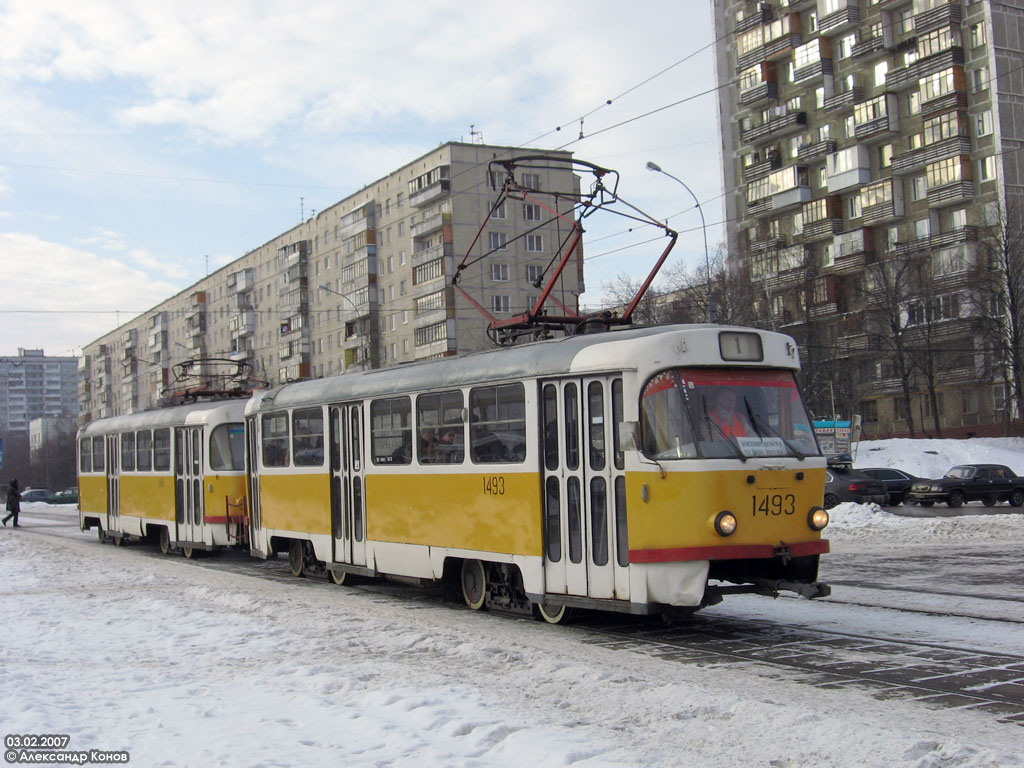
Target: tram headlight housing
725, 523
817, 519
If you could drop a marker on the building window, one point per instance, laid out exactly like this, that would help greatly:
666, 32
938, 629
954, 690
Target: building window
499, 212
534, 273
881, 70
535, 243
496, 241
885, 156
918, 188
430, 333
979, 79
977, 34
987, 168
922, 228
429, 303
531, 181
499, 273
531, 212
853, 207
983, 123
500, 304
914, 102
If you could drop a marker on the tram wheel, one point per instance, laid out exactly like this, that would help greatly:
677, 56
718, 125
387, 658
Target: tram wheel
337, 577
295, 558
120, 541
553, 615
190, 552
474, 584
165, 541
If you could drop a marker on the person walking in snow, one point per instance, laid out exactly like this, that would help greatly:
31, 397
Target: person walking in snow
13, 503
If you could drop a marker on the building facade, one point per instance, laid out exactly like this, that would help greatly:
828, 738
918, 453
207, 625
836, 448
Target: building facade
869, 154
365, 283
35, 386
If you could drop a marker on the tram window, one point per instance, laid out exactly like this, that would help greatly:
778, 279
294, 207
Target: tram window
550, 405
498, 424
128, 452
664, 424
144, 450
161, 449
197, 467
357, 453
85, 455
621, 531
391, 430
442, 438
357, 509
552, 518
98, 454
620, 459
572, 502
227, 448
572, 427
275, 439
308, 437
334, 433
599, 521
595, 415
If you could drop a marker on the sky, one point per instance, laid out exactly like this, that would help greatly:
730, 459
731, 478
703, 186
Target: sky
286, 672
144, 144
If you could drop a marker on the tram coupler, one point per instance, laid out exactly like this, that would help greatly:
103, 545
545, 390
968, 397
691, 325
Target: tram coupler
772, 588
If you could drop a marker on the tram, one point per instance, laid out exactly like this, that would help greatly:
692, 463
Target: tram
174, 476
591, 471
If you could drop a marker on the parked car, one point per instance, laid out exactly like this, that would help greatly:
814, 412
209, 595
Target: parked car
896, 482
843, 483
67, 496
988, 483
36, 494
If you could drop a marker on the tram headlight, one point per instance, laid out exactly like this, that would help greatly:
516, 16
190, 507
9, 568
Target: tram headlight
817, 518
725, 523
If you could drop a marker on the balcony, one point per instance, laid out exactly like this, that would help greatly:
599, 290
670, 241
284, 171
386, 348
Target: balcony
910, 75
764, 167
841, 20
243, 324
429, 254
777, 126
942, 16
815, 151
768, 244
842, 100
241, 281
427, 195
812, 72
759, 17
849, 168
429, 225
851, 250
954, 192
759, 93
873, 125
947, 102
916, 160
824, 229
864, 48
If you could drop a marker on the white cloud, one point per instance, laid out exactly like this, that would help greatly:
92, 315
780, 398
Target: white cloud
63, 298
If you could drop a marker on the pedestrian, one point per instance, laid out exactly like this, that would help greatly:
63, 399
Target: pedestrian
13, 503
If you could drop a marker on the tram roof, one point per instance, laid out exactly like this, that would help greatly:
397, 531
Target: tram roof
592, 353
178, 415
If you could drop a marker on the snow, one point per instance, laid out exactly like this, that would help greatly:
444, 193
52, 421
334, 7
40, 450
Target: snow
185, 666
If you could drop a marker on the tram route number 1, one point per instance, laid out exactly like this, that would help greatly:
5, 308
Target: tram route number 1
494, 485
775, 504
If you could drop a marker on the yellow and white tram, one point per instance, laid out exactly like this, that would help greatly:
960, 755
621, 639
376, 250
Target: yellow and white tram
590, 471
175, 476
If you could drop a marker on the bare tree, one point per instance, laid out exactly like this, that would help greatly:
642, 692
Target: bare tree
621, 291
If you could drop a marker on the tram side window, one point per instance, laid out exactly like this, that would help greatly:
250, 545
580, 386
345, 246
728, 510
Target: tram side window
98, 455
664, 424
128, 452
308, 437
391, 431
161, 450
144, 450
442, 438
498, 424
275, 439
85, 455
227, 448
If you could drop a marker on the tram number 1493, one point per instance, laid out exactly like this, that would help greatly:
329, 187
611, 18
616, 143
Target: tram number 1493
494, 485
775, 504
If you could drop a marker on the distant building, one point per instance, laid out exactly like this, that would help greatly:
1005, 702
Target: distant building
366, 283
858, 135
34, 386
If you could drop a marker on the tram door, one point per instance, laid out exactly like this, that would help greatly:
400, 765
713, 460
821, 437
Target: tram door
581, 474
252, 478
348, 508
113, 482
188, 483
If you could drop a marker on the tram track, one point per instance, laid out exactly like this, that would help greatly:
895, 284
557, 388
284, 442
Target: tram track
937, 674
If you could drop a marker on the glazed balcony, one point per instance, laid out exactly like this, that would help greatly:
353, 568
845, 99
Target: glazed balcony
942, 15
916, 160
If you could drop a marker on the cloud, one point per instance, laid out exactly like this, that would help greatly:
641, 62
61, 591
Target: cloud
63, 297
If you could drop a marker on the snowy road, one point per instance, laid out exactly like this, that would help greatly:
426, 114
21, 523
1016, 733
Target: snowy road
185, 665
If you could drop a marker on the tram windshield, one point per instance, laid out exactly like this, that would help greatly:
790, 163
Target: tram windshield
691, 413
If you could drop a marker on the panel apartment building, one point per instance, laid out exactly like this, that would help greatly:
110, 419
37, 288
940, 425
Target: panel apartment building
35, 386
860, 137
366, 283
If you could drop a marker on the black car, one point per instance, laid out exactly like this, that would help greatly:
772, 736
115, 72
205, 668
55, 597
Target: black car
896, 482
843, 483
988, 483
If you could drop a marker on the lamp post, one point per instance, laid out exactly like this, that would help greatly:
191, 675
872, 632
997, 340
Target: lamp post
338, 293
368, 358
652, 166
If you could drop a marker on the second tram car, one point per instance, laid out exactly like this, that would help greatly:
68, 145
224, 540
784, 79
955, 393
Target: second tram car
175, 476
641, 470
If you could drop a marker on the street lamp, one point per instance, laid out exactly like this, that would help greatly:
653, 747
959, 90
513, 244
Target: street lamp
652, 166
338, 293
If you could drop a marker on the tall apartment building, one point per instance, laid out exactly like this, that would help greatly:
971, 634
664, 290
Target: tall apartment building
859, 136
365, 283
34, 386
